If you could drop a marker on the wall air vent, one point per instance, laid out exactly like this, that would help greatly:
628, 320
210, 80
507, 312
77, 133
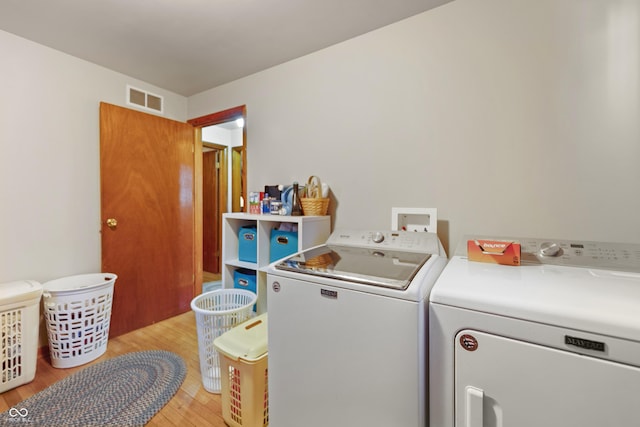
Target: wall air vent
145, 100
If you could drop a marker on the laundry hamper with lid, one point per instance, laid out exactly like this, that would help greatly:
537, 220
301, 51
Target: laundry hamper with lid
243, 364
77, 312
217, 312
20, 322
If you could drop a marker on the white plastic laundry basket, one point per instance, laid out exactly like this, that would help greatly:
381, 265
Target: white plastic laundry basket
19, 325
77, 312
217, 312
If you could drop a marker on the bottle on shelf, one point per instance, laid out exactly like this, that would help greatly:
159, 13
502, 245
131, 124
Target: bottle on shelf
265, 202
296, 207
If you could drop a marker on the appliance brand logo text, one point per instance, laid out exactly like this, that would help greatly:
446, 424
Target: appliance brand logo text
584, 343
328, 293
495, 245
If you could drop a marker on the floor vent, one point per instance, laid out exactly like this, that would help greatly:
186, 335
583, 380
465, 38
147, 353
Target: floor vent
143, 99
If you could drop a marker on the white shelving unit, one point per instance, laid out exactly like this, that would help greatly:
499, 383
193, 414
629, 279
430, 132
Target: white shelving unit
312, 231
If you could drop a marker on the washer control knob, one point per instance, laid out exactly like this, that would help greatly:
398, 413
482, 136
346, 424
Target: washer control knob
377, 237
550, 249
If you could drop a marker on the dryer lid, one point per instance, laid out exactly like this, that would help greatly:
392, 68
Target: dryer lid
370, 266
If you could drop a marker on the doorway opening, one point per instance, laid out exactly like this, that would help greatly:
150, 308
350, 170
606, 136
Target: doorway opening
221, 144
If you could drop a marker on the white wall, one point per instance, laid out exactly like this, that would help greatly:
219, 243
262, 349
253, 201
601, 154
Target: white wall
221, 135
512, 117
49, 158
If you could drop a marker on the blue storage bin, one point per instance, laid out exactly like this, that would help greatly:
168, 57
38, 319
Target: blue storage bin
245, 279
282, 244
248, 244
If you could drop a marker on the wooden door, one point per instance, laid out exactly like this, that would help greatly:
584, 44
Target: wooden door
211, 211
147, 186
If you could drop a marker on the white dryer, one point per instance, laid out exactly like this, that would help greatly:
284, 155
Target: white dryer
554, 342
348, 331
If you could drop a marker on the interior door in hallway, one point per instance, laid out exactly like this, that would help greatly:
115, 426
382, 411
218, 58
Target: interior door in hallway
211, 206
147, 209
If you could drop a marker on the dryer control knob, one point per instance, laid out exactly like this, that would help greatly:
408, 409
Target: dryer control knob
550, 249
377, 237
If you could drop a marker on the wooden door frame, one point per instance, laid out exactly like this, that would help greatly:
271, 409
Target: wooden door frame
237, 162
198, 123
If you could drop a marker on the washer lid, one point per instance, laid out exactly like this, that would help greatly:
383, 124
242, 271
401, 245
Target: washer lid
377, 267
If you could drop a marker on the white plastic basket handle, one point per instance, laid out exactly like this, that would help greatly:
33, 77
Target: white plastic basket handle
46, 296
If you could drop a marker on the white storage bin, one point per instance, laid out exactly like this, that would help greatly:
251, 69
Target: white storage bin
77, 311
20, 322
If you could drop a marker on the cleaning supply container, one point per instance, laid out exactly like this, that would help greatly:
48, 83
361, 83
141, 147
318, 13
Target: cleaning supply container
243, 364
216, 313
77, 312
20, 322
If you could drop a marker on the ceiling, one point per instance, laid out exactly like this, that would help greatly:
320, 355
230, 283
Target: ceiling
188, 46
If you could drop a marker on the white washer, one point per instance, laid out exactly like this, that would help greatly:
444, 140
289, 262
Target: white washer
348, 331
554, 342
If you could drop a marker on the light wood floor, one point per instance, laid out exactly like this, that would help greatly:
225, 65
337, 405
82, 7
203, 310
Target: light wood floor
192, 405
210, 277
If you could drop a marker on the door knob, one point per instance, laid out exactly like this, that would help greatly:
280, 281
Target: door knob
112, 223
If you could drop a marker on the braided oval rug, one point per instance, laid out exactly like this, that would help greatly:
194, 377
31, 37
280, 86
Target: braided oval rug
126, 390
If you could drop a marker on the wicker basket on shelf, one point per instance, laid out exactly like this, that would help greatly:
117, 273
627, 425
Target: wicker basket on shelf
314, 203
314, 206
